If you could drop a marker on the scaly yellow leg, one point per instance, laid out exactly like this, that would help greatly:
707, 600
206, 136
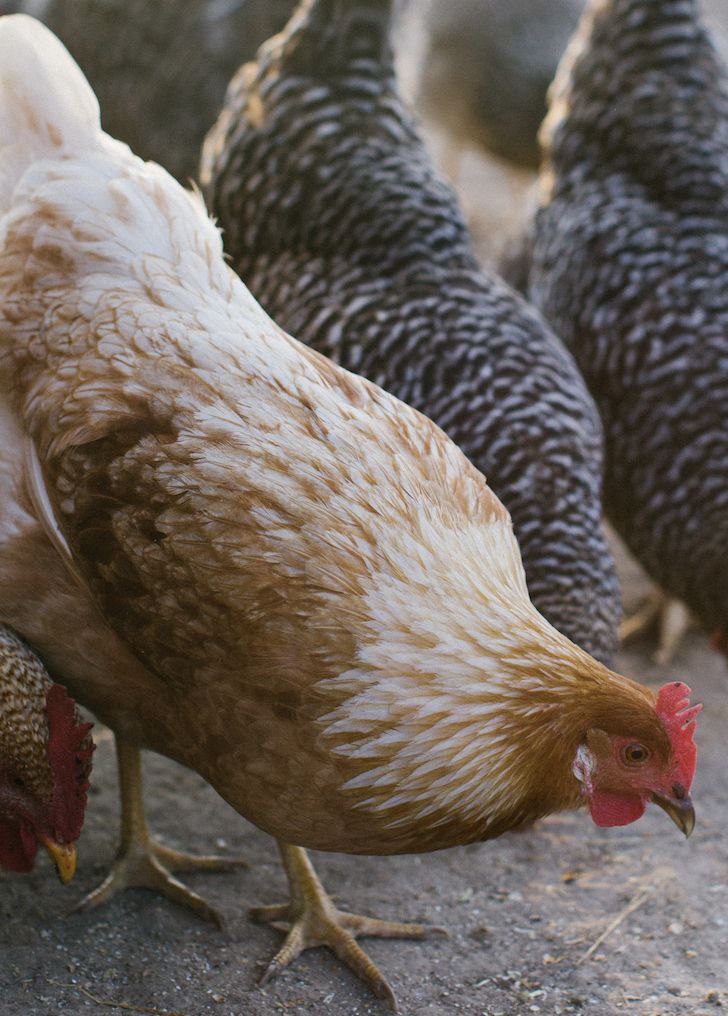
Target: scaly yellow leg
141, 863
313, 920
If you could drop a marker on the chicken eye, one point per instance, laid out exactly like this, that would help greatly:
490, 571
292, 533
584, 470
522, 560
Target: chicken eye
18, 782
635, 754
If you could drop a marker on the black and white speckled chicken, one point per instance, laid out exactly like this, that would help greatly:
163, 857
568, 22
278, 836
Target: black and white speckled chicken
335, 218
160, 69
45, 760
630, 265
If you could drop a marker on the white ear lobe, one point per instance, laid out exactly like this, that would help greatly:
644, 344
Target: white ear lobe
583, 768
44, 509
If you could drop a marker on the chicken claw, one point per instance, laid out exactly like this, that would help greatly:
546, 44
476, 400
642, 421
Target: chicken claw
141, 863
314, 921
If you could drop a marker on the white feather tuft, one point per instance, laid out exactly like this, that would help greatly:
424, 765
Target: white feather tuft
46, 105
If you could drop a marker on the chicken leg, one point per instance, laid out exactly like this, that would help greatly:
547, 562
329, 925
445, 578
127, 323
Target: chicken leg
672, 616
142, 863
313, 920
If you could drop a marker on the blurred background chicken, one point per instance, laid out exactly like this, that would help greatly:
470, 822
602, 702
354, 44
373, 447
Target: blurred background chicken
248, 559
334, 216
45, 761
486, 68
630, 265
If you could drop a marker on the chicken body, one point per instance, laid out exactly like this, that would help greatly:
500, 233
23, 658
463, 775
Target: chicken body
630, 265
275, 572
208, 493
45, 752
335, 217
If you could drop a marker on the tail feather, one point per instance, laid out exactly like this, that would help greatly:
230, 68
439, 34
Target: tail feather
46, 104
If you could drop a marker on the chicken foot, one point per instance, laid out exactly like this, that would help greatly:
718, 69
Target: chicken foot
142, 863
313, 920
672, 616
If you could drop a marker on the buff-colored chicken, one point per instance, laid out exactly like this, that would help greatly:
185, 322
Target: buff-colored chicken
45, 753
246, 558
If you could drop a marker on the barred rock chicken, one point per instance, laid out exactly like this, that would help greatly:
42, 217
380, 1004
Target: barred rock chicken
45, 761
260, 565
334, 216
630, 264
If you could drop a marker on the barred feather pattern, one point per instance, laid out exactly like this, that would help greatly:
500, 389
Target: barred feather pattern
25, 734
337, 221
630, 265
24, 684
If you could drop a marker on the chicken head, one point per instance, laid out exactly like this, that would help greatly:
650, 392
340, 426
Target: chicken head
620, 774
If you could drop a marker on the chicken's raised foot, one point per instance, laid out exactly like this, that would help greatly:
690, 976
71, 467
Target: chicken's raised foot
674, 622
141, 863
314, 921
672, 616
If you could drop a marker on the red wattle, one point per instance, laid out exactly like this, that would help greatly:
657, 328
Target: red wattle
616, 809
70, 763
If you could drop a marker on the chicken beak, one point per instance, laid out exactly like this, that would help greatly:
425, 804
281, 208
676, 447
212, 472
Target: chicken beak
63, 855
681, 811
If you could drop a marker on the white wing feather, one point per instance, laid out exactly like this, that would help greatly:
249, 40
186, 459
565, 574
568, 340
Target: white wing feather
44, 509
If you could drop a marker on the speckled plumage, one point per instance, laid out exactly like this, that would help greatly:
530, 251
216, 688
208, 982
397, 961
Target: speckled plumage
45, 751
24, 684
336, 219
630, 265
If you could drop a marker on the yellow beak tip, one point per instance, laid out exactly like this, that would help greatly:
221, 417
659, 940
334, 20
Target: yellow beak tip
680, 811
64, 857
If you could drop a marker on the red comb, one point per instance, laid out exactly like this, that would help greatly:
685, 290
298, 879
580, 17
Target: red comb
674, 709
70, 763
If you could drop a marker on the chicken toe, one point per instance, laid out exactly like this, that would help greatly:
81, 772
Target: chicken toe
142, 863
313, 920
